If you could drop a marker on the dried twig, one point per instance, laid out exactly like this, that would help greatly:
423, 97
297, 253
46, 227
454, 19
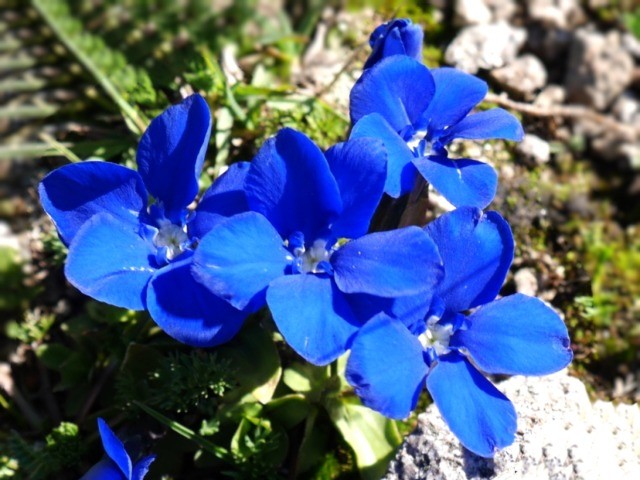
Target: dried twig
627, 132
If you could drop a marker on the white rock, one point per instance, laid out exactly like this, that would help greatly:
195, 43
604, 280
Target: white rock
485, 46
502, 9
526, 281
534, 149
471, 12
556, 13
560, 435
524, 75
599, 69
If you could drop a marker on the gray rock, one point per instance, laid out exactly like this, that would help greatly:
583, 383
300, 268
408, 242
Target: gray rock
556, 13
502, 9
561, 435
486, 46
599, 69
534, 149
523, 76
471, 12
551, 95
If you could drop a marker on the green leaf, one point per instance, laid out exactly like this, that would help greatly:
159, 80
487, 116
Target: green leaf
288, 410
256, 359
372, 437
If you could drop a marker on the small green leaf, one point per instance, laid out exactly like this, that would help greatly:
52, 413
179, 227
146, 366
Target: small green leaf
372, 437
288, 410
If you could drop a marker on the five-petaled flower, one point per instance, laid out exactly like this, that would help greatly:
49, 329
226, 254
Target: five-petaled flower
117, 465
515, 335
417, 112
130, 254
291, 249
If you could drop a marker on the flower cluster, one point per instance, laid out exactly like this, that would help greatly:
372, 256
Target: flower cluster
292, 230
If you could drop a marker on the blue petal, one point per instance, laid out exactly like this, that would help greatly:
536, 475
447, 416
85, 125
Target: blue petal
110, 263
494, 123
388, 264
312, 316
398, 37
482, 418
386, 367
516, 335
463, 182
401, 173
171, 153
290, 183
238, 258
141, 467
105, 469
456, 94
76, 192
410, 309
477, 250
114, 448
224, 198
360, 168
189, 312
399, 88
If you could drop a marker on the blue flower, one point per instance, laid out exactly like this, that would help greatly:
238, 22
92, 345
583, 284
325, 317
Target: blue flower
291, 251
397, 37
515, 335
118, 464
133, 255
417, 113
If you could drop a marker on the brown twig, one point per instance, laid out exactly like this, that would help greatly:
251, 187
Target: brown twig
627, 132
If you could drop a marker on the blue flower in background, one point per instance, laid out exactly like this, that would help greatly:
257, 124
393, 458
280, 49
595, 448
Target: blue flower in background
417, 112
291, 251
133, 255
515, 335
118, 464
397, 37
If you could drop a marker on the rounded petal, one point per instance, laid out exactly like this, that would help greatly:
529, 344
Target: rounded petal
409, 309
386, 367
477, 251
482, 418
494, 123
238, 258
312, 316
110, 263
457, 92
463, 182
516, 335
114, 448
290, 183
397, 37
105, 469
74, 193
360, 169
187, 311
388, 264
401, 173
399, 88
142, 466
224, 198
171, 153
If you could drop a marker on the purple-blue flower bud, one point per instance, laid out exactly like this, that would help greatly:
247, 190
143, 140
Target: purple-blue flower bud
397, 37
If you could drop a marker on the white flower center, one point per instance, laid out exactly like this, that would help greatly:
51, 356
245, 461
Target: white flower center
312, 256
171, 236
436, 336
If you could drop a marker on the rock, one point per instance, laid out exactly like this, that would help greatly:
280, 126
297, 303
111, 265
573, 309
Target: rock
471, 12
523, 76
561, 435
631, 44
599, 69
486, 46
501, 9
556, 13
626, 108
526, 281
534, 149
551, 95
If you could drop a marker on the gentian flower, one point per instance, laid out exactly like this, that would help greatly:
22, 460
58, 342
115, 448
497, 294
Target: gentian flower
417, 113
397, 37
515, 335
127, 253
291, 251
118, 464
